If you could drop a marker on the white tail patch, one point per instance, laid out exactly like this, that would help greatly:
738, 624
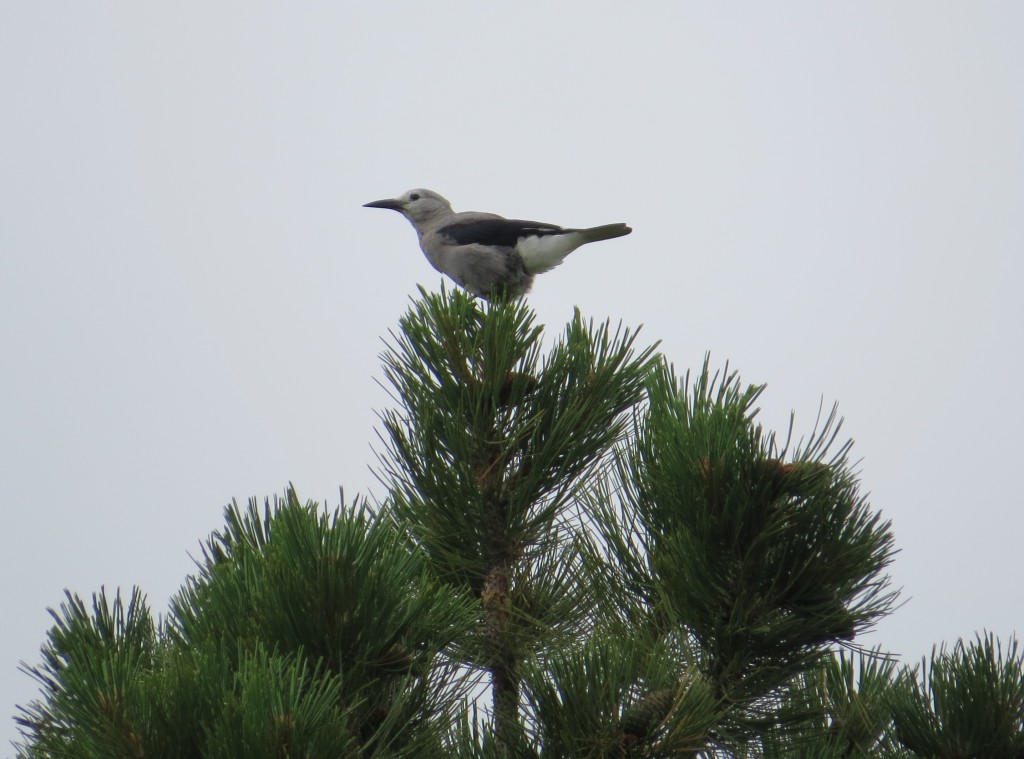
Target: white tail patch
542, 254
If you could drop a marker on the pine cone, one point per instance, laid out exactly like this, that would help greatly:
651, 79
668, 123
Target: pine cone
794, 479
641, 719
530, 384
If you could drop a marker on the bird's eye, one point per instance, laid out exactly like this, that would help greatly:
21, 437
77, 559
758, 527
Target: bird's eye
414, 196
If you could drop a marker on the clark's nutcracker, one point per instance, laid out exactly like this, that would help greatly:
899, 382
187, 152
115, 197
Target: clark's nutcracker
489, 255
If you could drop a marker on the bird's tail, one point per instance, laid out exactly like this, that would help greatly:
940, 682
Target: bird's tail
604, 232
545, 252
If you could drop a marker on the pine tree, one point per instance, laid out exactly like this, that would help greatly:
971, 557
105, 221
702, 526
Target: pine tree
580, 555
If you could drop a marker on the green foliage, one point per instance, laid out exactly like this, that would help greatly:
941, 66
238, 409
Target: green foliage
638, 566
92, 665
281, 705
965, 703
303, 635
838, 709
345, 590
615, 694
764, 563
493, 436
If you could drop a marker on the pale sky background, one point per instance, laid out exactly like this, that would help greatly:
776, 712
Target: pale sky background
828, 195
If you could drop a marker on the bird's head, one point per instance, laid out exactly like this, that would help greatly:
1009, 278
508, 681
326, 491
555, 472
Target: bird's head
419, 206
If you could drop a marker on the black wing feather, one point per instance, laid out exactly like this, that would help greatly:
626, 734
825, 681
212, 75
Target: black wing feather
498, 232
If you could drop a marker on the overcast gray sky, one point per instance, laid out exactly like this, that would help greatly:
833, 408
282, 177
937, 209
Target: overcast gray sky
828, 195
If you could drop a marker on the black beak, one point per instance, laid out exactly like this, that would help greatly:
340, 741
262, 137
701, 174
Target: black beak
391, 203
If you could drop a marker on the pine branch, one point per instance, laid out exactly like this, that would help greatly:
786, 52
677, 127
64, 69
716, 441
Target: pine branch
967, 701
92, 667
765, 562
491, 443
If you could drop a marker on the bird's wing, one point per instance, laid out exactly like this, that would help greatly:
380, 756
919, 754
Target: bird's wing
494, 231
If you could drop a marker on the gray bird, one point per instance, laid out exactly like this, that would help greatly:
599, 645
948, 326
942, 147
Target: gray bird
489, 255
